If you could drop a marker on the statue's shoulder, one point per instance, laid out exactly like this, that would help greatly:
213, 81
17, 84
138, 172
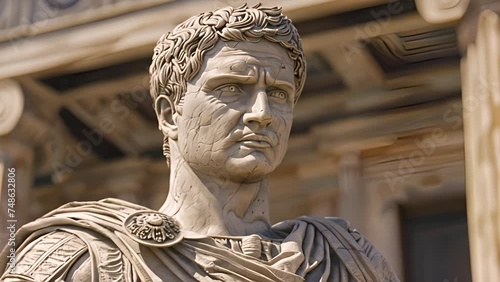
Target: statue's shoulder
338, 223
340, 226
48, 257
59, 245
345, 225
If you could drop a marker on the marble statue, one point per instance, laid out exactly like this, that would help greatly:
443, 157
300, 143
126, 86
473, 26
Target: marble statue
224, 86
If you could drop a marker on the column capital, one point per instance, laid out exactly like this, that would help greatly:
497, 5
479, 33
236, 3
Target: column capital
467, 29
442, 11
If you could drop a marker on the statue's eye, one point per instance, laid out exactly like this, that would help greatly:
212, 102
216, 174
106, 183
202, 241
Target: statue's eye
282, 95
232, 88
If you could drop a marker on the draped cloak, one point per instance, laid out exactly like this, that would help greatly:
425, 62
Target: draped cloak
85, 241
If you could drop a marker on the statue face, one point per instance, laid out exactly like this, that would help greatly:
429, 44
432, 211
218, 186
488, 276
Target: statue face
237, 112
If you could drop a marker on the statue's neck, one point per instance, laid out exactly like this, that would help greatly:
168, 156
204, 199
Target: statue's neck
213, 205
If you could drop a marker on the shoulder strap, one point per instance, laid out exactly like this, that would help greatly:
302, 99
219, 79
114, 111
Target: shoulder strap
97, 227
47, 258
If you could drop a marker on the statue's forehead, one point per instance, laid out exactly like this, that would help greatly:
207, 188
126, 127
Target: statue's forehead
243, 63
237, 56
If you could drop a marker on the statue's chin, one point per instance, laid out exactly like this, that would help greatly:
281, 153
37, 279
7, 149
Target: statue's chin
247, 169
251, 168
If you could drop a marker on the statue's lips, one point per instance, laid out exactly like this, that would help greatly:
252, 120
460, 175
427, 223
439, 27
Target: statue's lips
256, 141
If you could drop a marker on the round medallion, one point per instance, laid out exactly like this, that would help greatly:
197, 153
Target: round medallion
153, 228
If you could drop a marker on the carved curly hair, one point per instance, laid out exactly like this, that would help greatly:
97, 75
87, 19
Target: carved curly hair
178, 55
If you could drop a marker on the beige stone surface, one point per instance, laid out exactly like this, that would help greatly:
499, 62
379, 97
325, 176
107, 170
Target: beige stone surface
224, 85
481, 104
393, 99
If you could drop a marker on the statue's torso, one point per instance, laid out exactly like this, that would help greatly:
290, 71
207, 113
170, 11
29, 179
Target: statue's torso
86, 242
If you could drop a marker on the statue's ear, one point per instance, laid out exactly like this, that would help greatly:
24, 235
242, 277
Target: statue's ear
166, 114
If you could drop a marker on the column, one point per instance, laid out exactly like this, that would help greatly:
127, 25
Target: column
481, 111
351, 205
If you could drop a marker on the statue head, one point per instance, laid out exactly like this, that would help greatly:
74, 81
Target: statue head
224, 85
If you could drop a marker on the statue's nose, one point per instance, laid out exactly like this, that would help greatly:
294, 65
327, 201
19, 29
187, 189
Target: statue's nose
259, 112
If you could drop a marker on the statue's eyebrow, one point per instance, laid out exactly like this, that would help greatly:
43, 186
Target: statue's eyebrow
279, 83
283, 84
214, 80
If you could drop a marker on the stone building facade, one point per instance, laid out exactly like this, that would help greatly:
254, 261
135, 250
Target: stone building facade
397, 129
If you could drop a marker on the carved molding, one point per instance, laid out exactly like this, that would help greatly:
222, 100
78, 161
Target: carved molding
28, 18
401, 50
441, 11
11, 105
